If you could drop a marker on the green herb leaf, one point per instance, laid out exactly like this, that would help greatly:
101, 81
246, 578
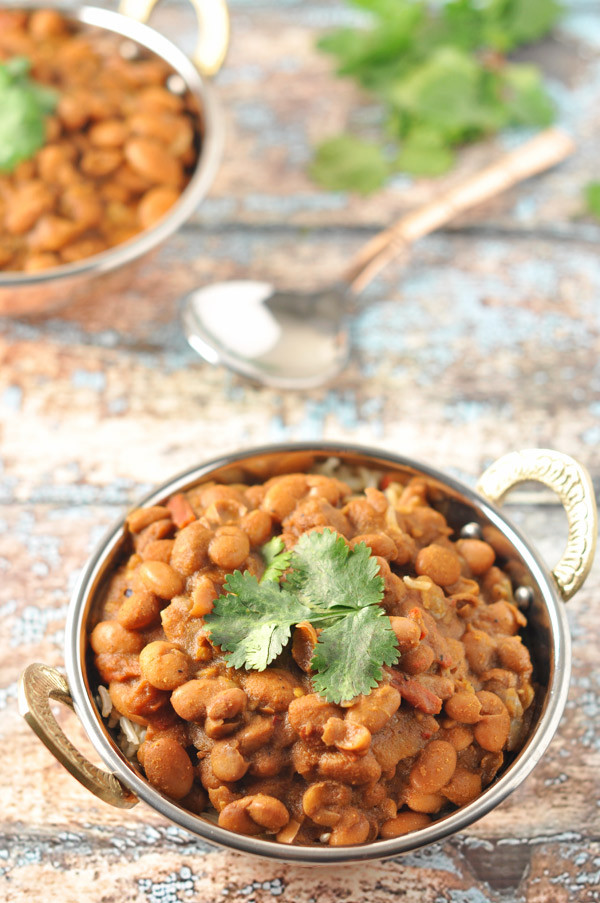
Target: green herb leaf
253, 621
346, 163
592, 198
327, 573
23, 107
349, 654
525, 96
425, 153
327, 583
439, 74
277, 559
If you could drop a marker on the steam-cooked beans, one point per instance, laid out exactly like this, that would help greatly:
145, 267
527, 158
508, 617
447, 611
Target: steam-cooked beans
120, 147
263, 749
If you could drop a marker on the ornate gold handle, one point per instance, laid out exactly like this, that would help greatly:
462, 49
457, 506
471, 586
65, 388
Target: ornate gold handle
213, 29
38, 685
572, 484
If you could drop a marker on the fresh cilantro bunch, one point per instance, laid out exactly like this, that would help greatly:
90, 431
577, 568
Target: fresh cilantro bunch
24, 105
441, 74
336, 588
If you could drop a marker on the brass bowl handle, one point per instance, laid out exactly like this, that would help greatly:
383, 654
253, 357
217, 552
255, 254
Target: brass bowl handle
572, 484
213, 29
38, 685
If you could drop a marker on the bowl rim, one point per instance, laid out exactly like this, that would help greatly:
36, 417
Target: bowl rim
209, 158
520, 768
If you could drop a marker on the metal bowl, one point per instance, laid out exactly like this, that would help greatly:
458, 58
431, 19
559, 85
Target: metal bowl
113, 270
470, 511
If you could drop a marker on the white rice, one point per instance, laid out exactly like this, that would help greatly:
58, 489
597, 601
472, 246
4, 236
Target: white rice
131, 735
357, 477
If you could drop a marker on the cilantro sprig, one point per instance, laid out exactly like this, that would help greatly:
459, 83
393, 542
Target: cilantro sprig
24, 104
441, 75
335, 588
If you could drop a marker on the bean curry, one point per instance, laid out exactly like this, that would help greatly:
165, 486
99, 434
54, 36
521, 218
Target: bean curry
261, 748
119, 148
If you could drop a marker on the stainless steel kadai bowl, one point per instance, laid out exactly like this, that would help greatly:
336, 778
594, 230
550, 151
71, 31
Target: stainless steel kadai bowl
470, 512
113, 270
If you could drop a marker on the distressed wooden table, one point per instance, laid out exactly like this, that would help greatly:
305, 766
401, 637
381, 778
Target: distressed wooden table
486, 341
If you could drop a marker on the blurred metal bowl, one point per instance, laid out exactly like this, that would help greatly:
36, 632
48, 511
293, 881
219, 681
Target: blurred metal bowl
113, 270
542, 591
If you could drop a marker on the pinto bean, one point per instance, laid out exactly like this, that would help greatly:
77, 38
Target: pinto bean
257, 526
353, 827
346, 735
51, 233
375, 710
417, 660
479, 555
408, 633
271, 690
254, 815
228, 704
110, 636
227, 762
204, 594
380, 544
403, 823
139, 610
303, 644
434, 767
153, 162
168, 768
464, 707
164, 665
155, 204
191, 698
142, 517
28, 203
109, 133
161, 578
419, 801
439, 563
229, 547
349, 768
324, 802
464, 786
190, 549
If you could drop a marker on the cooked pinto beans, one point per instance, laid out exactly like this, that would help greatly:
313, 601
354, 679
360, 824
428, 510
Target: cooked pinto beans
266, 751
117, 135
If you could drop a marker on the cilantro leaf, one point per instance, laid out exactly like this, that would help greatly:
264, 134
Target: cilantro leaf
327, 573
525, 96
23, 106
592, 198
327, 584
277, 559
349, 654
253, 621
346, 163
424, 152
439, 73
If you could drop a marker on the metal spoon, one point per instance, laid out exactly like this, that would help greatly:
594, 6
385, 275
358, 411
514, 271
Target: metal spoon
299, 340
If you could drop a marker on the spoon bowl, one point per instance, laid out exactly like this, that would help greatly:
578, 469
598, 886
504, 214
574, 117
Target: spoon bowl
285, 340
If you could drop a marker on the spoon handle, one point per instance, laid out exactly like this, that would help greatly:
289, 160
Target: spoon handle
542, 152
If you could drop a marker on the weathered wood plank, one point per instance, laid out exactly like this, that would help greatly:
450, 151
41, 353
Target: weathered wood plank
475, 347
